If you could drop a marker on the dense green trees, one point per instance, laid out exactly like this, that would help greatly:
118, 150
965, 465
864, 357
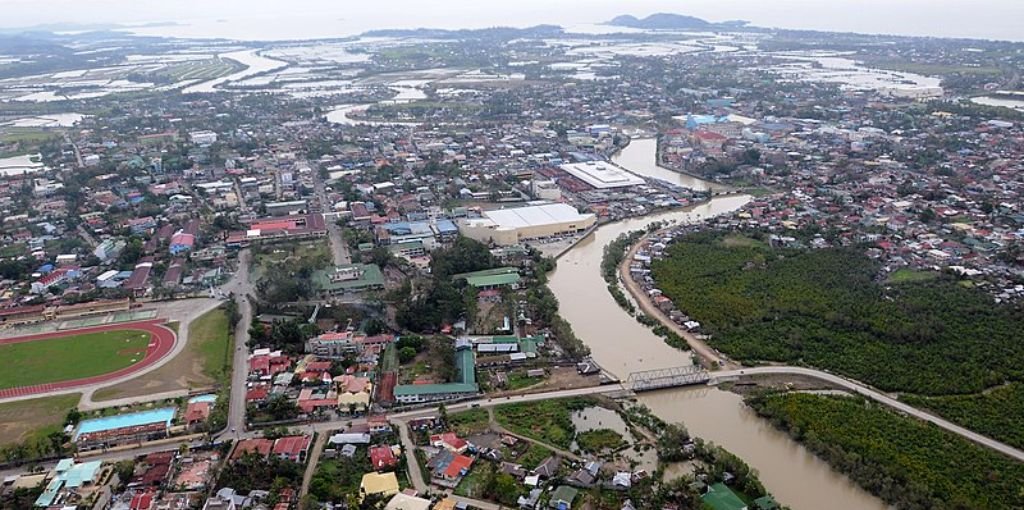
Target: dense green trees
907, 462
444, 301
822, 308
996, 413
287, 335
464, 256
253, 471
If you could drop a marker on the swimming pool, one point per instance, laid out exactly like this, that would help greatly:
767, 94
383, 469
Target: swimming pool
209, 397
165, 415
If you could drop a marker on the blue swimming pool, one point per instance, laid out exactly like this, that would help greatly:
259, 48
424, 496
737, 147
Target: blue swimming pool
209, 397
165, 415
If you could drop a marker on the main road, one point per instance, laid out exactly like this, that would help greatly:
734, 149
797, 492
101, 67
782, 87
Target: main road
338, 249
882, 398
241, 288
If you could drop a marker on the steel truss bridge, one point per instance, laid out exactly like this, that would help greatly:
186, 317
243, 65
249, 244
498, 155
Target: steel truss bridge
648, 380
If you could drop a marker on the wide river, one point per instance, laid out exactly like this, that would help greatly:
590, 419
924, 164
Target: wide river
621, 345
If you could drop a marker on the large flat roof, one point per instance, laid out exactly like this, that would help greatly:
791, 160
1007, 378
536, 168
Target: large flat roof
602, 174
164, 415
547, 214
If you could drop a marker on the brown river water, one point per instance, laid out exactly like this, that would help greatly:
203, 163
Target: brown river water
621, 345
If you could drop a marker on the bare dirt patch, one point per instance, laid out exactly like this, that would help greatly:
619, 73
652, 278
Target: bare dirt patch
784, 382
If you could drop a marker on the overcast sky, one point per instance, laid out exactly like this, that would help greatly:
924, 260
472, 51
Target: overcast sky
273, 19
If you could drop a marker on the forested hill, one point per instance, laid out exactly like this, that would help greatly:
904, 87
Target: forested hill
823, 308
668, 21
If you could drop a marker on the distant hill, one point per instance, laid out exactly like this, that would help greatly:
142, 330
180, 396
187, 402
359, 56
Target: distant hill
668, 21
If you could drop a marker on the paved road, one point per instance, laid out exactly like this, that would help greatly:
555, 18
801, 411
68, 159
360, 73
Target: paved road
242, 289
884, 399
311, 462
709, 356
338, 248
412, 465
400, 417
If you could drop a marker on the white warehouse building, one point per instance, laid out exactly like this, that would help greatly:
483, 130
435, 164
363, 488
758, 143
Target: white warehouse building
506, 227
602, 174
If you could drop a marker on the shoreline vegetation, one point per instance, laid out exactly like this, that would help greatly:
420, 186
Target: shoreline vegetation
902, 460
614, 257
823, 308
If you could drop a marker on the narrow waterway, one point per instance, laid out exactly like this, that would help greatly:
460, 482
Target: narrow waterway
254, 62
621, 345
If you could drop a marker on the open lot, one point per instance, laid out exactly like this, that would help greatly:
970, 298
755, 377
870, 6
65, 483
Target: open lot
28, 420
70, 357
207, 354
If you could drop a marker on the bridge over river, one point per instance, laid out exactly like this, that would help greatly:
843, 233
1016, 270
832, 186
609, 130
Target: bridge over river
649, 380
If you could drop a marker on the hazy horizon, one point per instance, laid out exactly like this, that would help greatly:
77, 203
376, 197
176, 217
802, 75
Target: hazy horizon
269, 20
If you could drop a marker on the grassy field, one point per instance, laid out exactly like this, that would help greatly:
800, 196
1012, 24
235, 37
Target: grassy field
74, 357
209, 339
208, 353
905, 275
469, 422
519, 380
27, 135
533, 456
598, 440
472, 485
547, 420
933, 69
31, 420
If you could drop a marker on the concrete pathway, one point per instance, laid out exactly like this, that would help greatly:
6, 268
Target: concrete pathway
311, 462
411, 464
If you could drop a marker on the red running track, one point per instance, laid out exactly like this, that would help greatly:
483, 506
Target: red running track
161, 343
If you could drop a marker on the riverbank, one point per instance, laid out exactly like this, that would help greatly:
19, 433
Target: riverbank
621, 345
709, 357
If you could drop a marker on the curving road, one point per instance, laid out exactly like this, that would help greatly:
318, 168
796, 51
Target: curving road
881, 398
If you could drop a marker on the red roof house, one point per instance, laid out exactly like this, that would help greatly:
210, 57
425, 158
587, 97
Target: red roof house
256, 446
382, 457
293, 448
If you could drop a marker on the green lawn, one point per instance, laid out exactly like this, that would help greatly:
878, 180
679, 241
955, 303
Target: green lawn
546, 420
72, 357
598, 440
469, 422
910, 275
27, 135
533, 456
210, 340
29, 421
472, 486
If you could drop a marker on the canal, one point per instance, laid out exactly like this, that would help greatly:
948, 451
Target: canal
621, 345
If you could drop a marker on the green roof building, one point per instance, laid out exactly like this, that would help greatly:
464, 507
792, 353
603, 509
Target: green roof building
491, 278
348, 279
720, 497
466, 386
563, 497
